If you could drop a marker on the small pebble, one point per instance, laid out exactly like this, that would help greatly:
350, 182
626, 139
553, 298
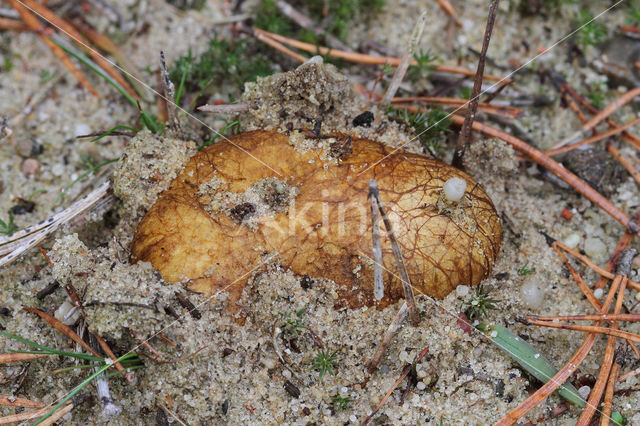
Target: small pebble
531, 294
421, 386
28, 148
595, 248
572, 240
598, 292
462, 290
30, 167
82, 129
584, 391
353, 418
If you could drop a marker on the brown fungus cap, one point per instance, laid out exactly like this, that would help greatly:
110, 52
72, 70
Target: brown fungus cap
238, 204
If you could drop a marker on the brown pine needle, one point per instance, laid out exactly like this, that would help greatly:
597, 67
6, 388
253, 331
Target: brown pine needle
66, 330
635, 173
581, 284
611, 385
14, 401
146, 345
386, 396
605, 368
449, 10
589, 329
596, 268
278, 46
592, 317
17, 357
9, 24
629, 375
561, 172
62, 411
27, 415
611, 108
35, 26
564, 373
596, 138
72, 33
107, 350
362, 58
506, 111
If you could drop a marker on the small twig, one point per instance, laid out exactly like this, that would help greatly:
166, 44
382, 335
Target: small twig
378, 285
14, 401
493, 109
448, 9
402, 68
172, 414
611, 385
595, 138
146, 345
225, 108
464, 139
386, 396
386, 339
169, 95
404, 275
109, 407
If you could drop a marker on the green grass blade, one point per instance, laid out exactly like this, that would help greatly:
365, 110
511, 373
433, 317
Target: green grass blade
183, 78
81, 386
98, 70
111, 130
46, 349
83, 175
530, 359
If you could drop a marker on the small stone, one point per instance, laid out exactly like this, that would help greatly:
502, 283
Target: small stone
421, 386
28, 148
363, 120
584, 391
598, 292
82, 129
462, 290
30, 167
595, 248
531, 294
572, 240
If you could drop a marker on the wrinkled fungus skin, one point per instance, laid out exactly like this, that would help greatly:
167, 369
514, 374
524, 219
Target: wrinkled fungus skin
327, 231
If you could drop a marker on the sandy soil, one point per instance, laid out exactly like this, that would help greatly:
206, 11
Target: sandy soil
239, 378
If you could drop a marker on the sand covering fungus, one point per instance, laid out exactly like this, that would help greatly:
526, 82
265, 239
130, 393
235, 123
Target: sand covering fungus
238, 201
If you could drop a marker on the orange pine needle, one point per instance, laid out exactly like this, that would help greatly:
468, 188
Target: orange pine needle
555, 168
592, 317
12, 25
14, 401
361, 57
17, 357
66, 330
581, 284
110, 354
146, 345
596, 138
611, 108
70, 31
635, 174
35, 26
611, 385
564, 373
507, 111
448, 9
589, 329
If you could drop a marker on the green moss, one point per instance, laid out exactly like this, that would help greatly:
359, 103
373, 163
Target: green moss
592, 32
227, 62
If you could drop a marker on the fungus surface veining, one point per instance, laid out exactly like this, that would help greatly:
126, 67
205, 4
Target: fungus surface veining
321, 226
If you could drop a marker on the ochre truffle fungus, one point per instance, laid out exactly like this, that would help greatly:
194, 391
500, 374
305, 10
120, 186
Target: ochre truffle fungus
239, 202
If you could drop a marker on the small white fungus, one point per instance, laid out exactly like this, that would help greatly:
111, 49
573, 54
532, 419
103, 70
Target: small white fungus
454, 189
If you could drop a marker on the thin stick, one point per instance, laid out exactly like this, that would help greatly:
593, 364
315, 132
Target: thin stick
629, 375
404, 275
225, 108
589, 329
15, 418
635, 173
107, 350
12, 25
464, 139
499, 110
378, 285
276, 45
386, 396
362, 58
146, 345
611, 108
386, 339
18, 357
169, 95
402, 68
